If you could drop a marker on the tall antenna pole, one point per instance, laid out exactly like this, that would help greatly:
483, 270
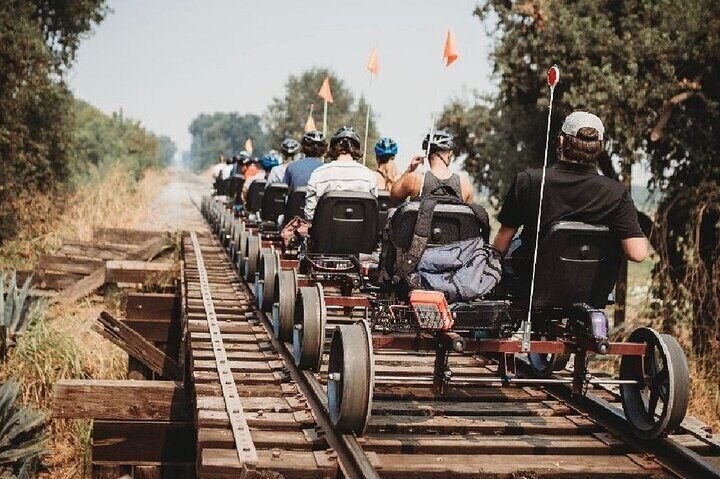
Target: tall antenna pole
553, 76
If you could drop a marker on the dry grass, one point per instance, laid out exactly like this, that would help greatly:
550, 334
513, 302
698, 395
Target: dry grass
61, 343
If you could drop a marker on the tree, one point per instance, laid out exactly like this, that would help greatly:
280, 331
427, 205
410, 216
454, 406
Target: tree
286, 115
224, 134
650, 69
38, 42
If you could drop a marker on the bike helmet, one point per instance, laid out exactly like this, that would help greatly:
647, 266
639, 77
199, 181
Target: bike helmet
269, 161
243, 156
313, 137
289, 147
386, 147
345, 132
441, 141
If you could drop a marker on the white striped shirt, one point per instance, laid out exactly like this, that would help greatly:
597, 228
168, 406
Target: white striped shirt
338, 175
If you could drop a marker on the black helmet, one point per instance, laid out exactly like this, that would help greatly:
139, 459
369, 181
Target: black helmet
345, 132
313, 137
441, 141
289, 147
229, 160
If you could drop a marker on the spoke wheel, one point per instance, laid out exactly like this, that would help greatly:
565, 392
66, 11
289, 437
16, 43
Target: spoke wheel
657, 404
351, 378
309, 327
251, 259
284, 307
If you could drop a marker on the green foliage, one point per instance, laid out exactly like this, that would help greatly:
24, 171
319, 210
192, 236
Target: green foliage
622, 60
101, 140
14, 311
223, 134
38, 41
21, 434
286, 115
651, 70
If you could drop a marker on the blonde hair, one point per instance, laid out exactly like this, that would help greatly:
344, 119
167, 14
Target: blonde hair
389, 173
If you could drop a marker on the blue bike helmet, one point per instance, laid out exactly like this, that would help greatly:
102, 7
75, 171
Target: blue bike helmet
267, 162
386, 147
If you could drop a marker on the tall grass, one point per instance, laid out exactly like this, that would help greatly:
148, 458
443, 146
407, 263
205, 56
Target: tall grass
60, 343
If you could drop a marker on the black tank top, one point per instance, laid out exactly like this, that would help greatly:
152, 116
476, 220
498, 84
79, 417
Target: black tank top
433, 183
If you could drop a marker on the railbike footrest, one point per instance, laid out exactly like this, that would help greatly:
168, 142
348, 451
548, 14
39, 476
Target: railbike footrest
431, 310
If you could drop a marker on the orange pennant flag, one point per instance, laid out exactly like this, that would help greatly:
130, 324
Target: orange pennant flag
325, 92
372, 63
248, 145
310, 124
449, 54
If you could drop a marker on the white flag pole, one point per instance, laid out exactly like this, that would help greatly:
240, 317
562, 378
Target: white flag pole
553, 77
367, 123
325, 117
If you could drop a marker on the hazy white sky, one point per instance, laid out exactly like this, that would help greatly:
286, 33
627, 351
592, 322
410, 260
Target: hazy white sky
164, 61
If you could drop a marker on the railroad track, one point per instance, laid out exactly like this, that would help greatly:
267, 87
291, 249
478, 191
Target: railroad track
475, 430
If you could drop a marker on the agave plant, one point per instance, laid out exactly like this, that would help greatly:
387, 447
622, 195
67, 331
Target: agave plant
21, 434
14, 309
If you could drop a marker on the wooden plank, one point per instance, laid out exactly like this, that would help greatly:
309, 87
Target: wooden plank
482, 424
156, 331
90, 283
56, 280
124, 235
121, 400
408, 466
282, 421
126, 271
69, 264
91, 249
467, 408
143, 443
488, 444
224, 464
284, 440
136, 346
151, 306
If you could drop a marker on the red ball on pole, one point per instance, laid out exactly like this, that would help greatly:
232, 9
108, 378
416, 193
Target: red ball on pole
553, 76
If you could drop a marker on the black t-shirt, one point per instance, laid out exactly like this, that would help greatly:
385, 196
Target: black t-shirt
573, 192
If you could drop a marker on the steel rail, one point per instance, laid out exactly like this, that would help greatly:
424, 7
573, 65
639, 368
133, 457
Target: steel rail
244, 445
668, 453
352, 459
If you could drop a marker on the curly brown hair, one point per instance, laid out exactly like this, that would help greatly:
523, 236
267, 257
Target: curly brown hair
344, 146
585, 147
315, 150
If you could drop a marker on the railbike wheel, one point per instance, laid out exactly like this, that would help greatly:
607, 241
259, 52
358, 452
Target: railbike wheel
265, 279
656, 405
351, 378
543, 365
242, 244
235, 242
309, 327
284, 304
250, 260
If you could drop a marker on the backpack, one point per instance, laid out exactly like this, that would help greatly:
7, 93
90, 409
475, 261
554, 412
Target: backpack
399, 264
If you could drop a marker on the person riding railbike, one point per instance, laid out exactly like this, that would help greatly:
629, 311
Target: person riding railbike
386, 150
314, 147
343, 173
252, 171
414, 184
574, 191
289, 148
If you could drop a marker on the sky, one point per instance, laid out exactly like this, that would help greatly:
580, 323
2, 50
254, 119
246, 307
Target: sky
164, 62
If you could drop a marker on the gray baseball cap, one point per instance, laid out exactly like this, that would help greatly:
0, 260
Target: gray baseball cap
582, 119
